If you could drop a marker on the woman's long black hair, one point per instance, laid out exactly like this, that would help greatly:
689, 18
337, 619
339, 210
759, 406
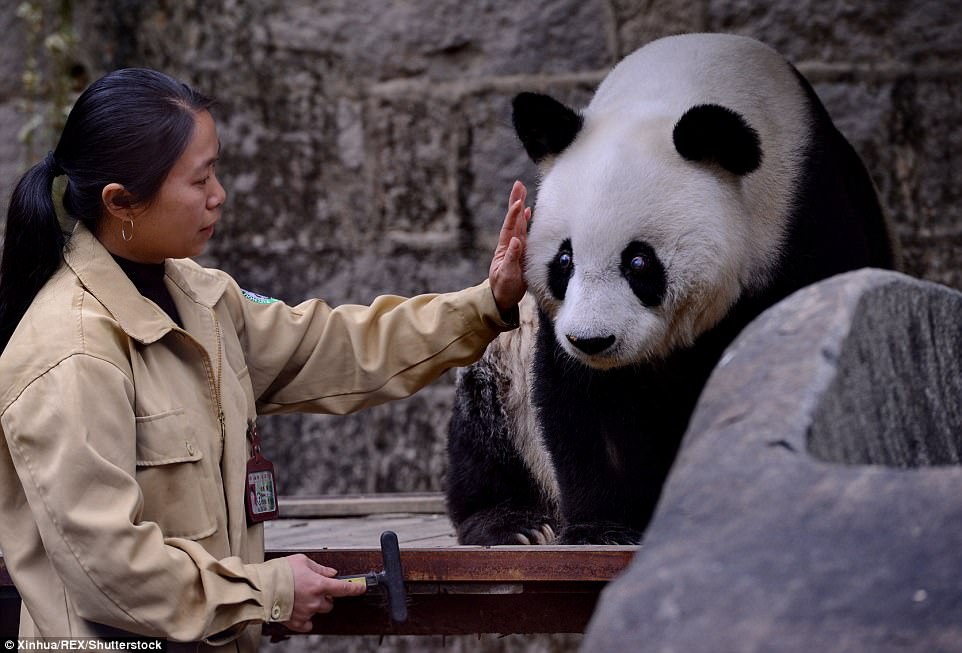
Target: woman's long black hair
129, 127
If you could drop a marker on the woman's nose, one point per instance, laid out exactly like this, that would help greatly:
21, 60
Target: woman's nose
218, 197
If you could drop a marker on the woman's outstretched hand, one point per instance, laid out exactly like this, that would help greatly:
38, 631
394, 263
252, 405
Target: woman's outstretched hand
315, 589
506, 274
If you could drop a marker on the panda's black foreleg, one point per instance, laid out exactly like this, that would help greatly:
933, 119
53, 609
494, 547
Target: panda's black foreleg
492, 496
610, 465
591, 428
596, 508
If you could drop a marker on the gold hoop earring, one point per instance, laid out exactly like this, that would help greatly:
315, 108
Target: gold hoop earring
123, 230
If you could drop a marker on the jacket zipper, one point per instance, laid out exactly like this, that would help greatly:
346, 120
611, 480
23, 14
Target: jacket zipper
220, 377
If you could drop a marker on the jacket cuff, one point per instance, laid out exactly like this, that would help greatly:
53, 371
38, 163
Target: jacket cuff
277, 586
275, 579
493, 318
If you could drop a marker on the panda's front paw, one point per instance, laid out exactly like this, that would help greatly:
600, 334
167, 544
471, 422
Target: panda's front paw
495, 526
609, 533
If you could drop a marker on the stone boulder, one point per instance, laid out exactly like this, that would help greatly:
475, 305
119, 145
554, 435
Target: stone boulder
816, 504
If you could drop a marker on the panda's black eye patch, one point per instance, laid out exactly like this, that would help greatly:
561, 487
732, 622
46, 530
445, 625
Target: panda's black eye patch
560, 269
644, 272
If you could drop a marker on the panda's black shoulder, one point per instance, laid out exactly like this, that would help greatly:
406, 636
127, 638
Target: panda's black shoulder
836, 223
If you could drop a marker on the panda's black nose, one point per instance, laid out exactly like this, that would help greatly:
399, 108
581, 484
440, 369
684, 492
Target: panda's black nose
592, 345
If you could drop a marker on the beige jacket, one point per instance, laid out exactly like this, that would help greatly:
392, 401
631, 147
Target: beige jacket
122, 466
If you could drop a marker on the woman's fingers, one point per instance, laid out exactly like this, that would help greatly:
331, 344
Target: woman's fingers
518, 192
512, 221
332, 587
321, 569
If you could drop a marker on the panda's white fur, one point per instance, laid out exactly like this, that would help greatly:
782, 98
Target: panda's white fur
513, 357
550, 433
717, 234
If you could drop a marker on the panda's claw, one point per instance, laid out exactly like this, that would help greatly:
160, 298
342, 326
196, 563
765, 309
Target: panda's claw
522, 538
546, 534
537, 535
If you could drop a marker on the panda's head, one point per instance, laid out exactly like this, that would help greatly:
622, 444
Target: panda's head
645, 232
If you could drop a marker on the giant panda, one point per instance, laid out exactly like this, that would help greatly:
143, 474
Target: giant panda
703, 182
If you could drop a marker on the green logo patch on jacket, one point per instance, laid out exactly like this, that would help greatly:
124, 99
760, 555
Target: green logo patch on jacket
257, 299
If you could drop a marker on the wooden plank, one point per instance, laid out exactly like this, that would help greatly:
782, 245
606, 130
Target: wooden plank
358, 532
354, 505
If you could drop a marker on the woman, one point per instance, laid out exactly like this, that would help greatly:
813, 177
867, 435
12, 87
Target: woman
131, 377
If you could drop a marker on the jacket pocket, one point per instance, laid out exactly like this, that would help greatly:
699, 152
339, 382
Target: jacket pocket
173, 477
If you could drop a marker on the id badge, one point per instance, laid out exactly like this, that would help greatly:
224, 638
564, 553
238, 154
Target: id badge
260, 491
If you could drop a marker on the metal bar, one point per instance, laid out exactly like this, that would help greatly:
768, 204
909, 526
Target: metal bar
486, 564
473, 564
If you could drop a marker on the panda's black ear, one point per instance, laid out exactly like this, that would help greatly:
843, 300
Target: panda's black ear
544, 125
709, 132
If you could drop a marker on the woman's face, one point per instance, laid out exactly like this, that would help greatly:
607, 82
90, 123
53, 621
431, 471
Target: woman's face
181, 218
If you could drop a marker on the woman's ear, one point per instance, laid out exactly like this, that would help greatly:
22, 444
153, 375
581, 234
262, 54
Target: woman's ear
116, 201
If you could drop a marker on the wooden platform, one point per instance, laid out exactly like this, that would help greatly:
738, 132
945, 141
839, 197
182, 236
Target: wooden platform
451, 589
356, 521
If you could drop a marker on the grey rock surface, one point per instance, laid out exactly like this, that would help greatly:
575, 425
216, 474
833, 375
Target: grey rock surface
814, 505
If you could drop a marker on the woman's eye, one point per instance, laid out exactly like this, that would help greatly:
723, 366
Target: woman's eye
638, 264
202, 182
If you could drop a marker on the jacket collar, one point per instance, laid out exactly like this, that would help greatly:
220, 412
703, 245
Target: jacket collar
137, 316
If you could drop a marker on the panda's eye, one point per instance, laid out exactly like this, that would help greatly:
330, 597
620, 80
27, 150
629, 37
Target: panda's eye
644, 272
560, 270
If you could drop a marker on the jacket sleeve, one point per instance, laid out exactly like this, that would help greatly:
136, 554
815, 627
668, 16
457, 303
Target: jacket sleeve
312, 357
71, 438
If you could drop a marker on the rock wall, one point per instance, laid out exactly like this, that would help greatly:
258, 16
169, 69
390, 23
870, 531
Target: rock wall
367, 145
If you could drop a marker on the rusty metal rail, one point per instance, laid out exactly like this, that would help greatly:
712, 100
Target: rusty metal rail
466, 590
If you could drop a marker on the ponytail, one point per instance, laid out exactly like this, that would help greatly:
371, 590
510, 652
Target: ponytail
129, 127
32, 244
